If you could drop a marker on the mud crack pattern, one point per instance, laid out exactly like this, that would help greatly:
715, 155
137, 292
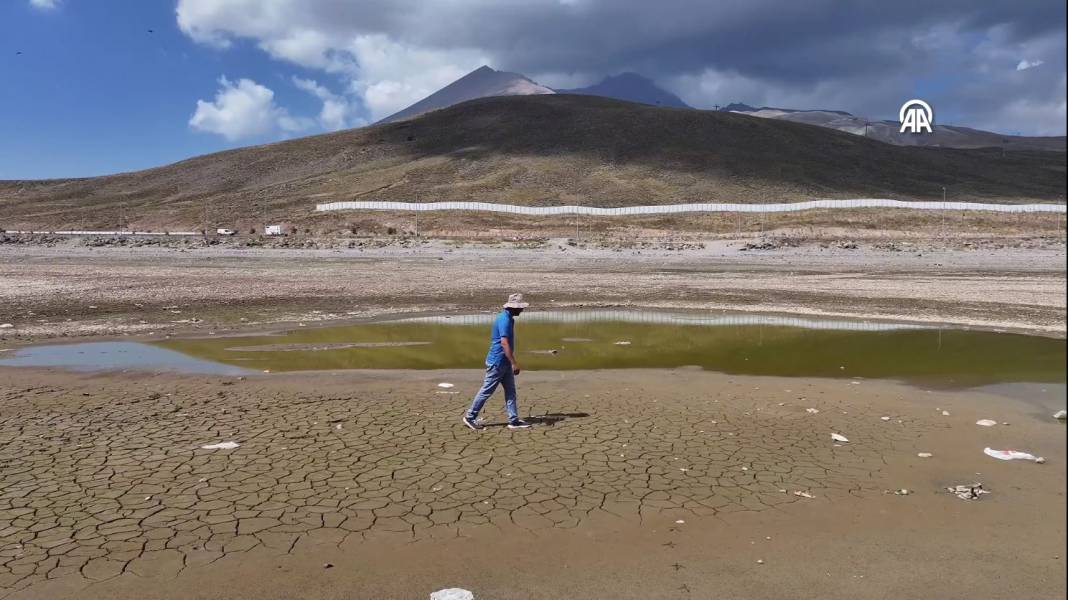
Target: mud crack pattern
105, 475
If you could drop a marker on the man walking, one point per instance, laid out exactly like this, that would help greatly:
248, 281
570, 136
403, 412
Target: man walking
501, 366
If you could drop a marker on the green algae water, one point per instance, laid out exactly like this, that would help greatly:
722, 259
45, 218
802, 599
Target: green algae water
734, 344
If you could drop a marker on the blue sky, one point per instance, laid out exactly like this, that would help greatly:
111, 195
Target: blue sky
94, 92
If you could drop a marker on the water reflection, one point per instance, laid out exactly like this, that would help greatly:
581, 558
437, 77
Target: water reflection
730, 343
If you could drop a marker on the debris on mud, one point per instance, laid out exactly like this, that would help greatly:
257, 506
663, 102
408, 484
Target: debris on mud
968, 491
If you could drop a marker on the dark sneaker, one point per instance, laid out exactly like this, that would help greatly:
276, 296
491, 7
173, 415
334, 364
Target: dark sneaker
518, 424
471, 423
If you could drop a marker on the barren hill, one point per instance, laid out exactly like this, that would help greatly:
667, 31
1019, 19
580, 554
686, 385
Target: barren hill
949, 136
539, 150
483, 82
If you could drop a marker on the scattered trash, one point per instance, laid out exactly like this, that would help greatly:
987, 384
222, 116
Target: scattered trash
839, 438
925, 455
445, 385
1012, 455
624, 343
812, 410
6, 325
945, 413
968, 492
760, 561
680, 522
884, 418
452, 594
803, 494
986, 422
902, 492
221, 446
1060, 415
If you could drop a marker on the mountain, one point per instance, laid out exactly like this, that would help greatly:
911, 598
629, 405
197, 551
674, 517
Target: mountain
946, 136
547, 149
632, 88
481, 83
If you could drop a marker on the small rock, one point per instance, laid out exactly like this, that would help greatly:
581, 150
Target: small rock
812, 411
945, 413
884, 418
986, 422
925, 455
328, 565
9, 326
1060, 415
760, 561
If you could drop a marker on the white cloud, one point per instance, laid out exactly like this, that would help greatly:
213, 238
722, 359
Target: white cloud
244, 109
392, 75
45, 4
390, 53
337, 112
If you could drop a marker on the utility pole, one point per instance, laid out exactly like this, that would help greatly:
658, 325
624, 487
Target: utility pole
943, 215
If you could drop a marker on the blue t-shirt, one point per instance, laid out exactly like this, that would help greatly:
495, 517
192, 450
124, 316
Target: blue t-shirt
503, 326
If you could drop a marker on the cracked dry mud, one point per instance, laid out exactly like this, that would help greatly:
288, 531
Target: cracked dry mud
105, 475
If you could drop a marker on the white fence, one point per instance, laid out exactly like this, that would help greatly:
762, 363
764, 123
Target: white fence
690, 208
670, 318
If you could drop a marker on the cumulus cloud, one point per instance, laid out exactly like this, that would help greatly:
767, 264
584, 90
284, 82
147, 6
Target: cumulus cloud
1024, 65
862, 57
45, 4
337, 112
244, 109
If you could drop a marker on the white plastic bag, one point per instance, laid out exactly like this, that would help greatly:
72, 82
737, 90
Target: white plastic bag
1012, 455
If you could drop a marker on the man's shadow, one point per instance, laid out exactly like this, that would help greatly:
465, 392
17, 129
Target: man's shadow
549, 419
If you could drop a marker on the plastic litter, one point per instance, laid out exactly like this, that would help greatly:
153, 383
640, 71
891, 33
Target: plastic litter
924, 455
445, 385
839, 438
1060, 415
986, 422
968, 491
803, 494
452, 594
1012, 455
221, 446
624, 343
812, 411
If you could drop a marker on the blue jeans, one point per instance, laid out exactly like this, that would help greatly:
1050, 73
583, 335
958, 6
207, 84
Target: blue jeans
499, 374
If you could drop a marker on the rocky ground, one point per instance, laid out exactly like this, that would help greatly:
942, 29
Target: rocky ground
73, 290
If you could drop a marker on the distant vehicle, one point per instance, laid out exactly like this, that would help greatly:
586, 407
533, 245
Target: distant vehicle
275, 230
224, 231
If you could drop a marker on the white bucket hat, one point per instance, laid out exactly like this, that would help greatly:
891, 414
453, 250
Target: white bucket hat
516, 301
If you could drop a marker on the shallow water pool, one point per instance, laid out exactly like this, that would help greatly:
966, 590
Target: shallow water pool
576, 340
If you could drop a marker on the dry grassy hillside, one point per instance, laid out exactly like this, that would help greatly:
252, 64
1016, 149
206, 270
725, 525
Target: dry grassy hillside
553, 149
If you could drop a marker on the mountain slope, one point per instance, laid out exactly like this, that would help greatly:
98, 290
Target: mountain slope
630, 87
535, 150
483, 82
948, 136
